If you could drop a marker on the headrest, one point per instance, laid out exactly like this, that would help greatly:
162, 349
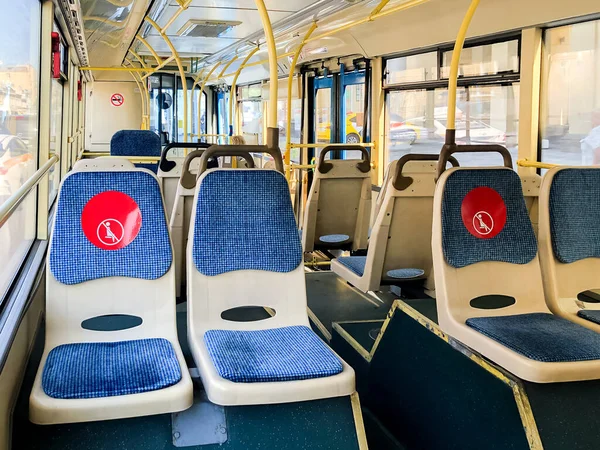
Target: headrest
484, 218
109, 224
575, 214
135, 143
245, 221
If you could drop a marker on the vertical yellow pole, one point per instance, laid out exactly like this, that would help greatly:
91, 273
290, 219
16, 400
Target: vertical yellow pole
181, 74
232, 95
288, 127
202, 86
273, 132
453, 79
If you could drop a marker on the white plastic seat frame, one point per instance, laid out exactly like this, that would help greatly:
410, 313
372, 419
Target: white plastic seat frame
401, 234
456, 287
563, 282
285, 293
67, 306
339, 202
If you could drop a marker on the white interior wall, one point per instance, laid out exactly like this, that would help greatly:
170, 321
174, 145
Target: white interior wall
105, 119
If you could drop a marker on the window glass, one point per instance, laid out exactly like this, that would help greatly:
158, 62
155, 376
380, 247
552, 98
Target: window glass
416, 121
491, 59
412, 69
252, 121
198, 111
354, 105
19, 106
570, 116
323, 118
296, 124
223, 112
56, 114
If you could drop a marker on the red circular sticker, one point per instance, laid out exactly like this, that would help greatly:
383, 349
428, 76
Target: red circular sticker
483, 212
111, 220
117, 99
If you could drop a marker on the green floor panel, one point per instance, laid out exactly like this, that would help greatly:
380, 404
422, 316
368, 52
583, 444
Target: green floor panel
426, 306
331, 299
365, 333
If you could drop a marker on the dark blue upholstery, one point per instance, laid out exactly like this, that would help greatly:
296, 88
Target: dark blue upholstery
278, 354
516, 243
107, 369
136, 143
541, 337
355, 263
593, 315
334, 238
74, 259
405, 274
575, 214
244, 220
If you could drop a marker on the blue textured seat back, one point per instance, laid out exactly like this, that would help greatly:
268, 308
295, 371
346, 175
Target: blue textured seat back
244, 220
75, 259
575, 214
136, 143
516, 243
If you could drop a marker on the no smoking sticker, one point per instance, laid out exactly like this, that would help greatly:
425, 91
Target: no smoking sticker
117, 99
111, 220
483, 212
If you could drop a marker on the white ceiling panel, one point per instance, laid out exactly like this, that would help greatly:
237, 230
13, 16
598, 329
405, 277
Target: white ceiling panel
186, 46
250, 20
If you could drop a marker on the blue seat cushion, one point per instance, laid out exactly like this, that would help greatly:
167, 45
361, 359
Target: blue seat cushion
405, 274
355, 263
593, 315
135, 143
245, 221
334, 238
277, 354
575, 214
147, 257
516, 243
541, 337
108, 369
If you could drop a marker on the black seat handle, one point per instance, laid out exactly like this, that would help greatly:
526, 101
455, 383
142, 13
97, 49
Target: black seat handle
166, 165
402, 182
188, 179
240, 150
450, 149
364, 165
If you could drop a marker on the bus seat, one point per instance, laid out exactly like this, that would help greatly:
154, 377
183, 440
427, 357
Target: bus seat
387, 177
484, 250
339, 203
400, 242
570, 243
181, 208
110, 255
246, 252
136, 143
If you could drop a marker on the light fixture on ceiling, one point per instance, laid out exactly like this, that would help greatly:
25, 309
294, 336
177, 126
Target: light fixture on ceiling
207, 28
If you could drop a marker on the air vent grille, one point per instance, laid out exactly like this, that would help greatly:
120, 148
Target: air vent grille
207, 28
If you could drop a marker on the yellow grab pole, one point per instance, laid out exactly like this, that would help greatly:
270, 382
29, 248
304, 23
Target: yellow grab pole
202, 86
198, 77
182, 7
233, 86
160, 66
144, 83
142, 86
536, 164
150, 49
453, 79
288, 128
143, 97
234, 59
181, 73
378, 9
273, 70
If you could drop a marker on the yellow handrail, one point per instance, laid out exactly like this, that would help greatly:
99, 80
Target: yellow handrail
200, 94
536, 164
232, 94
181, 74
273, 69
288, 128
453, 79
150, 49
327, 144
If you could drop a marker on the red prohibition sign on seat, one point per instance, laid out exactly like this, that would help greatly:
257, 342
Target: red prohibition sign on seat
117, 99
483, 212
111, 220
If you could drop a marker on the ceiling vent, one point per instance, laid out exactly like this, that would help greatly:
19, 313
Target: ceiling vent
207, 28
